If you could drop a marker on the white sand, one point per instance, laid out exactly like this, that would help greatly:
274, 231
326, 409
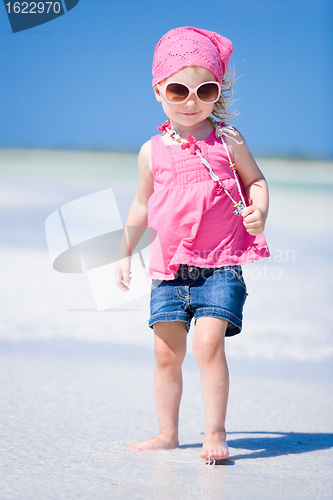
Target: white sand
77, 384
70, 410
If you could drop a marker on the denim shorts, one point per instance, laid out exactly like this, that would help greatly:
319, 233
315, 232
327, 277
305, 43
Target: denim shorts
196, 292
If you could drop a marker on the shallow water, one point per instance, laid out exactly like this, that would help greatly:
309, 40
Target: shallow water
288, 310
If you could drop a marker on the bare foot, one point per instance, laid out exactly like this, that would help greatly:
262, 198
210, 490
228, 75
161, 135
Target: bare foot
215, 446
159, 442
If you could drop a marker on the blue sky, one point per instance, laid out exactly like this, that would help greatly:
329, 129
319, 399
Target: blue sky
84, 79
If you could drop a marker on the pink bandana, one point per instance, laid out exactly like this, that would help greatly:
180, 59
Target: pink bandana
182, 47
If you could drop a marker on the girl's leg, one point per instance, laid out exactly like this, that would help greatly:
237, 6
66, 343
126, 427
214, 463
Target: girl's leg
208, 349
170, 349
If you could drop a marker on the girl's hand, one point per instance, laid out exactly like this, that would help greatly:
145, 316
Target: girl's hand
253, 220
123, 273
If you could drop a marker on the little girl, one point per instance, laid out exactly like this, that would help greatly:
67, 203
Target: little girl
203, 194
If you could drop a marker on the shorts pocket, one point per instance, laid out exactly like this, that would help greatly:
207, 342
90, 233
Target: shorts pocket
237, 274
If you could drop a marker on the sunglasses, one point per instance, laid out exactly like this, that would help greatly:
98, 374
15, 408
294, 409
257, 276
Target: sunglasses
176, 93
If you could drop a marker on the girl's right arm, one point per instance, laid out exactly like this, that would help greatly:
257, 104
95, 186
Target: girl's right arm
137, 218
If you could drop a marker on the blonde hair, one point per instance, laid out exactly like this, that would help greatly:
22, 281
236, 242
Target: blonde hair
220, 110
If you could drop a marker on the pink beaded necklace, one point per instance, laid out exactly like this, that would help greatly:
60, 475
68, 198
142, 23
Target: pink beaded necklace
220, 130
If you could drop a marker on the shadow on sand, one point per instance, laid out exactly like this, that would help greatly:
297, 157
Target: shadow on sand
272, 444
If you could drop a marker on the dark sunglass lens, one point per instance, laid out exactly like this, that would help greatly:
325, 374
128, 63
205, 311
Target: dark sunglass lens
176, 92
208, 92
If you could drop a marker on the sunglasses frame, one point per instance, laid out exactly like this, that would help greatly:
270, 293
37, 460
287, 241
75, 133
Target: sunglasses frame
191, 91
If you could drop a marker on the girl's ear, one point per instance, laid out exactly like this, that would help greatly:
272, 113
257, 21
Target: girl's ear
157, 94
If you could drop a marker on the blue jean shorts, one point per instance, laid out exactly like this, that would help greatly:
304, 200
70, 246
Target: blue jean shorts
197, 292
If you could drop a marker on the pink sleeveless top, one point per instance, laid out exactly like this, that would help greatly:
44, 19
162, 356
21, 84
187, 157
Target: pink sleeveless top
194, 225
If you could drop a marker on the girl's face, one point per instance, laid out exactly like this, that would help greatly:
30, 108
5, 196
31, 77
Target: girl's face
191, 112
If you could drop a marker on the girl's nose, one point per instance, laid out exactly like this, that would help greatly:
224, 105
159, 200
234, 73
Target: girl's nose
191, 101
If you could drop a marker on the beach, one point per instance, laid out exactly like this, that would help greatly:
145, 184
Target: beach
77, 382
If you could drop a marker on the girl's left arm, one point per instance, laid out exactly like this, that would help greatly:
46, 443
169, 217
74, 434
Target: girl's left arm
256, 189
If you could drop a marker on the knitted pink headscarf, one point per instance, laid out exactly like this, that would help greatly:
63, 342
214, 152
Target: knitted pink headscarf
182, 47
